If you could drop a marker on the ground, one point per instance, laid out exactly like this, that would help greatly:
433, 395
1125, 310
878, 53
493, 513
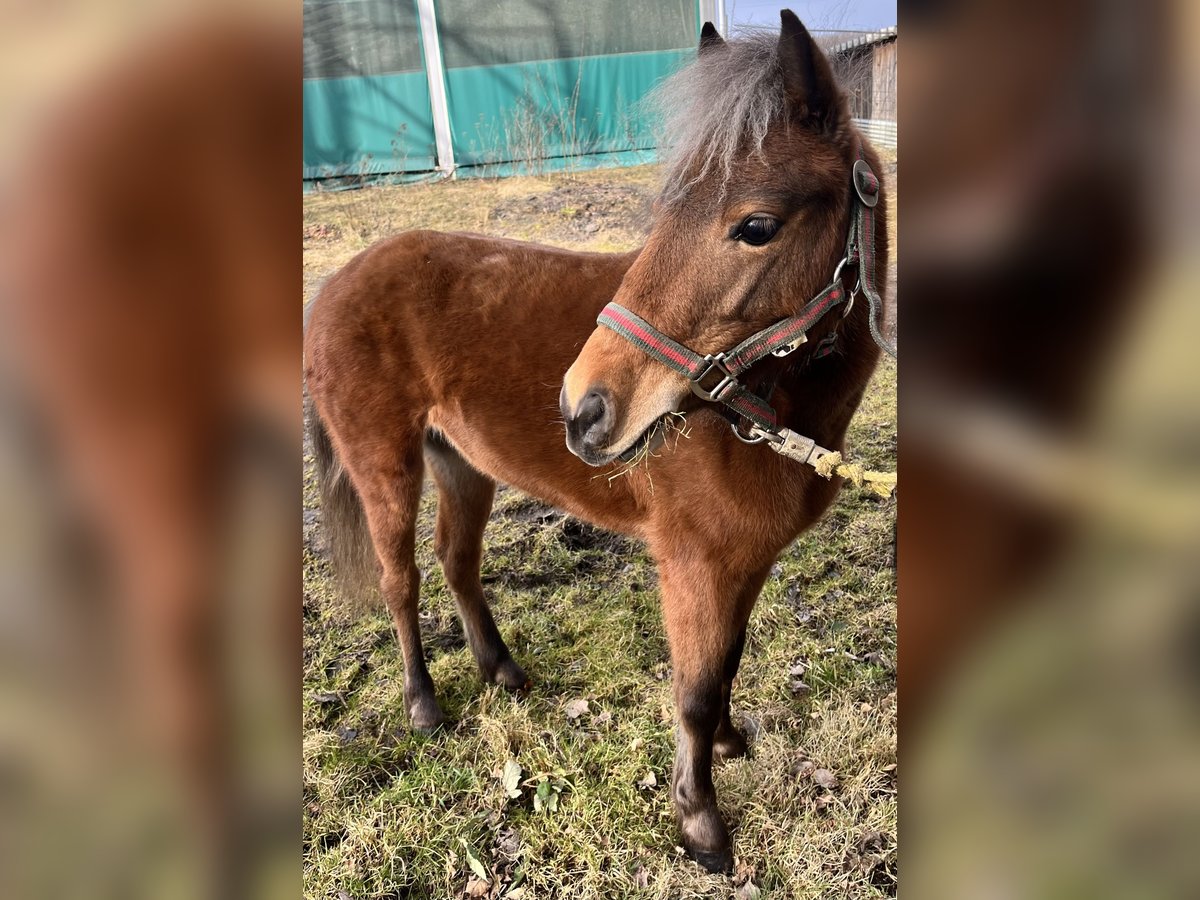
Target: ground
563, 792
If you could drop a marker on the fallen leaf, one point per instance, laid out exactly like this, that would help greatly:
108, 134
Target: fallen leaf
327, 697
576, 708
603, 719
799, 687
636, 743
649, 781
477, 867
871, 842
641, 878
477, 887
804, 768
747, 891
516, 893
509, 842
798, 670
825, 779
511, 779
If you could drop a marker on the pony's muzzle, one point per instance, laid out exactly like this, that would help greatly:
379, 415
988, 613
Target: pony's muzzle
589, 424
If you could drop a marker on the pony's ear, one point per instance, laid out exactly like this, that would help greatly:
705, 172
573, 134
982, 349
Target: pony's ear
807, 76
710, 39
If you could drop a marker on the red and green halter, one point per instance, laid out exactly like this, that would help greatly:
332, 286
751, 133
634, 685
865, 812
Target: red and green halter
714, 377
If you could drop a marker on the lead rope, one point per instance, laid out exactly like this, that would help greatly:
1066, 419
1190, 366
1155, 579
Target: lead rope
828, 463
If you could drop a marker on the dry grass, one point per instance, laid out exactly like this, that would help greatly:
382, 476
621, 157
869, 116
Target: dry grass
392, 814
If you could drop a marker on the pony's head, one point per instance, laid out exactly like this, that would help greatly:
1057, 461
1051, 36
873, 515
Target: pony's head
751, 223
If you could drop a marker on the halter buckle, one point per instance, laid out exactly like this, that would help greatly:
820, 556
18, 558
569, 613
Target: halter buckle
726, 381
791, 346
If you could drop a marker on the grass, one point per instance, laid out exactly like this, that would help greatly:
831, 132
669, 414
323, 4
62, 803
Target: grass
388, 813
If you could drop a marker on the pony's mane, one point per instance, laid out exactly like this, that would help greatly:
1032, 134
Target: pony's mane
724, 102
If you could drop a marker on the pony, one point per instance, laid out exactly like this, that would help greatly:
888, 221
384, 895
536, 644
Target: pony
447, 351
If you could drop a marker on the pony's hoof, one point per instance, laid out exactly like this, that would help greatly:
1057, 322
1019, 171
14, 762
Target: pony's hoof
715, 861
509, 675
730, 745
426, 717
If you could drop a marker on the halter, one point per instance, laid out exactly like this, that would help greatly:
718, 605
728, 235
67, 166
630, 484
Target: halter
713, 377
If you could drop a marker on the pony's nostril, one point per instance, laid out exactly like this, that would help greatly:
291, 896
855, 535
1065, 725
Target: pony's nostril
589, 423
593, 411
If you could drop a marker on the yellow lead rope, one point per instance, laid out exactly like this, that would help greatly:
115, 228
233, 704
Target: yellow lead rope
828, 463
882, 483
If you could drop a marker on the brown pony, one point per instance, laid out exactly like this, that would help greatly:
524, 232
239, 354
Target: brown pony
450, 350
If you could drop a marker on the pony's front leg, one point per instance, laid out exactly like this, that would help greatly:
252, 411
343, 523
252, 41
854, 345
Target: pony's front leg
730, 743
705, 611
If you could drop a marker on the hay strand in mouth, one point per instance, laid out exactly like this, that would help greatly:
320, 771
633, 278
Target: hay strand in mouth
672, 423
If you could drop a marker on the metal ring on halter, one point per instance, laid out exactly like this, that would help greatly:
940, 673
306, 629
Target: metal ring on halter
837, 272
853, 294
753, 438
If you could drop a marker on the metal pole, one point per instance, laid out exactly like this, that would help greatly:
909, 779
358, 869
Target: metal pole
436, 74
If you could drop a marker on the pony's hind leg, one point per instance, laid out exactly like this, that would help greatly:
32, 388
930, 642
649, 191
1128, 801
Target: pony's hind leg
389, 482
464, 503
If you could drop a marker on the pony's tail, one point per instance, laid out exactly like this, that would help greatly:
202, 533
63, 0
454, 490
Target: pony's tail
343, 520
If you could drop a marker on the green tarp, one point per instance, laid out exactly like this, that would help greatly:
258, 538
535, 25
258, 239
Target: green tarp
531, 85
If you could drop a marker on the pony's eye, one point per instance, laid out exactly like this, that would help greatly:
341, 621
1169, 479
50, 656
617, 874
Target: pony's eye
758, 230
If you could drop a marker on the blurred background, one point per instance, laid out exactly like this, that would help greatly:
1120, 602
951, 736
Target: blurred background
149, 422
1049, 627
149, 283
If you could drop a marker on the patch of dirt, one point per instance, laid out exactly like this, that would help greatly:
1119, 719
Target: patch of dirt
577, 536
873, 855
322, 232
583, 209
529, 509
